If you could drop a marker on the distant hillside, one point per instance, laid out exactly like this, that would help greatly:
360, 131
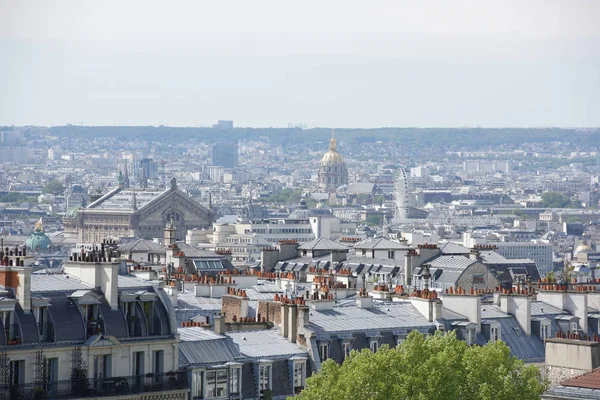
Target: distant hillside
448, 137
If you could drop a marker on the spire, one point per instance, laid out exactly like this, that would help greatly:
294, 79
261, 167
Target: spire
332, 143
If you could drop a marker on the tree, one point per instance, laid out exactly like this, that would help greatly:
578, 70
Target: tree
54, 187
559, 200
433, 367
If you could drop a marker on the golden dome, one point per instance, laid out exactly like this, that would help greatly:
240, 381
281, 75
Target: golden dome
583, 248
332, 156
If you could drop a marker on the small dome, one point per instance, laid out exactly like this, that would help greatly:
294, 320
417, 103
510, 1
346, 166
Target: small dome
583, 248
332, 157
38, 241
72, 212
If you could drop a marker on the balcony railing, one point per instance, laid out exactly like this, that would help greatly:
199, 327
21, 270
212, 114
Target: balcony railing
87, 388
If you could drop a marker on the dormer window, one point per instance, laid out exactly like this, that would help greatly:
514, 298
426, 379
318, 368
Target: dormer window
374, 345
470, 336
573, 327
264, 376
347, 348
494, 333
544, 330
299, 367
324, 351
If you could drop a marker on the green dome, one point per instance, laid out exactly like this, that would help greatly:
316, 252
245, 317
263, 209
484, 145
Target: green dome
38, 241
72, 212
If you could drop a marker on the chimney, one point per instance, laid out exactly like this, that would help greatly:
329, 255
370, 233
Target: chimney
284, 320
287, 249
269, 258
18, 278
292, 322
219, 324
303, 318
519, 306
429, 308
464, 304
172, 293
101, 275
408, 259
364, 301
575, 303
474, 254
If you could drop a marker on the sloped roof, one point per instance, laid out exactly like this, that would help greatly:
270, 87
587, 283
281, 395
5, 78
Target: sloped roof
202, 346
396, 315
141, 245
361, 187
591, 380
267, 343
453, 248
322, 243
451, 262
379, 244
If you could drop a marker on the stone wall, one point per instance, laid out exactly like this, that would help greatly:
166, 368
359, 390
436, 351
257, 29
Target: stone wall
271, 311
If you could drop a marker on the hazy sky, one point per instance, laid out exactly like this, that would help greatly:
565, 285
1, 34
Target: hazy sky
335, 63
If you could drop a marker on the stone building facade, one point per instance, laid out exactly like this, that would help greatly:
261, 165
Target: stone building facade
140, 213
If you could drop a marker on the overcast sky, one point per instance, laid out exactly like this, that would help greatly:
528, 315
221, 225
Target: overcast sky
322, 63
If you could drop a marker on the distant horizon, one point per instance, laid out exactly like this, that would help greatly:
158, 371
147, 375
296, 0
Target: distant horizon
391, 63
297, 127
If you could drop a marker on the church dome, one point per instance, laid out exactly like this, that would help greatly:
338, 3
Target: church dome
332, 157
38, 241
583, 248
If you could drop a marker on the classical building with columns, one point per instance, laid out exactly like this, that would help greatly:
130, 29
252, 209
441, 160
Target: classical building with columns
142, 213
332, 172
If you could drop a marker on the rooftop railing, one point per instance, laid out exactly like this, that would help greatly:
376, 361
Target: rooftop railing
97, 387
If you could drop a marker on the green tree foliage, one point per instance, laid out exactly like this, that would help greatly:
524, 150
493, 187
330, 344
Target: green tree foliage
559, 200
438, 367
54, 187
286, 196
14, 197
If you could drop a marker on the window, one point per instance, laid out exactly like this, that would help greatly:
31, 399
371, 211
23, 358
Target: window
347, 346
494, 334
364, 252
299, 368
52, 366
374, 345
102, 366
544, 331
391, 254
324, 351
158, 357
478, 278
138, 363
216, 384
264, 378
470, 336
234, 380
17, 372
573, 326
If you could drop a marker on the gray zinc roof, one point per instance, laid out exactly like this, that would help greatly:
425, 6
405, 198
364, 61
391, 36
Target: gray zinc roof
268, 343
451, 262
200, 346
322, 243
389, 316
380, 244
56, 283
142, 246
